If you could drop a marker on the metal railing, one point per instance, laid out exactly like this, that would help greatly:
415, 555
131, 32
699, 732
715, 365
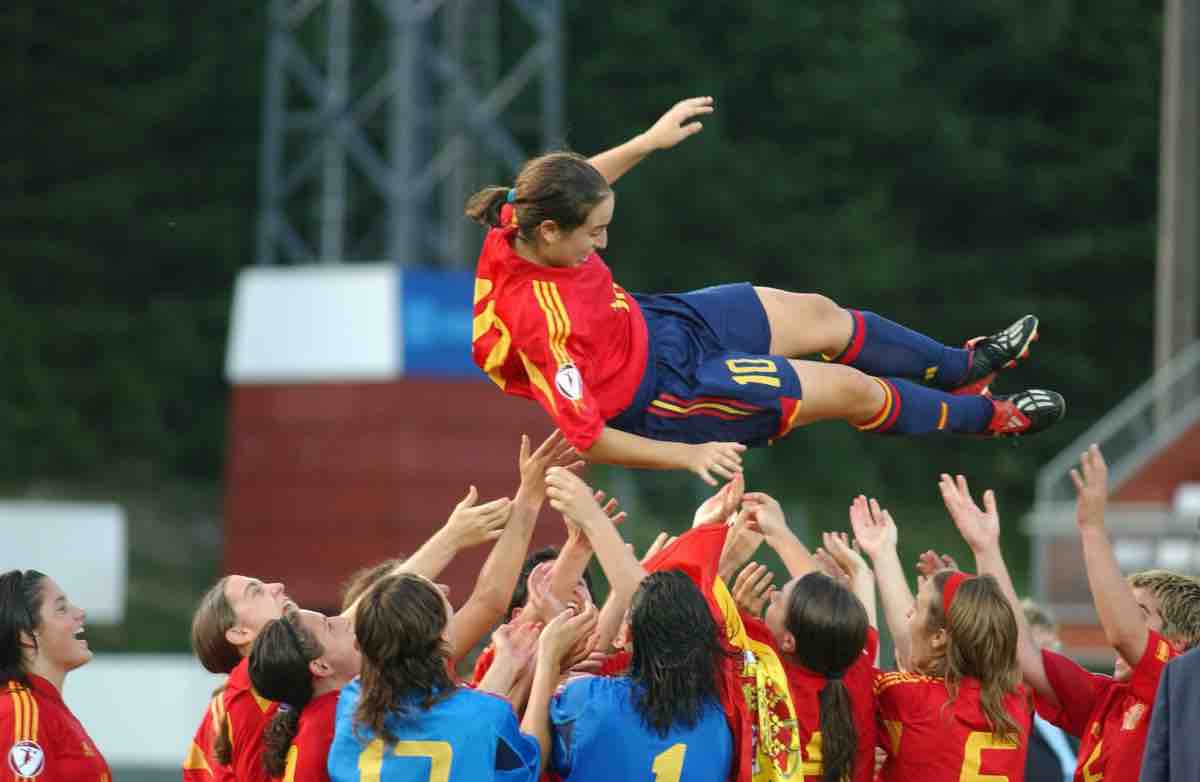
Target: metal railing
1138, 428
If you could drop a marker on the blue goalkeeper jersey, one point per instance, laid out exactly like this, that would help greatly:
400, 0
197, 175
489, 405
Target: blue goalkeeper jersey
467, 737
598, 735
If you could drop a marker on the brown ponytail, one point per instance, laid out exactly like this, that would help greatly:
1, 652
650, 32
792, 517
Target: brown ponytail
562, 187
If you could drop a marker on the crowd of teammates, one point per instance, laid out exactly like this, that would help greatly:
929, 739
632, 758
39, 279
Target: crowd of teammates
697, 667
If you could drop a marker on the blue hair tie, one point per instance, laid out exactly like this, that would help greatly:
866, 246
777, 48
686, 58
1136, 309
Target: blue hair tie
512, 195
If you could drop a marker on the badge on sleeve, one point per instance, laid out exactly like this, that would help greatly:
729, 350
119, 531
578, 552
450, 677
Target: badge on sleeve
568, 382
26, 759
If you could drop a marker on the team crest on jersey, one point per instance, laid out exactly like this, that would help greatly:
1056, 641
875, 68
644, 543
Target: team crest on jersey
569, 382
26, 759
1133, 715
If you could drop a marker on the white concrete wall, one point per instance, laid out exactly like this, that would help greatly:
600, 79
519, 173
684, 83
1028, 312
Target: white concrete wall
141, 710
81, 545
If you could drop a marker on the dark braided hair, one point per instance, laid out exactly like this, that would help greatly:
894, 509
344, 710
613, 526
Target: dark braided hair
20, 612
677, 651
279, 671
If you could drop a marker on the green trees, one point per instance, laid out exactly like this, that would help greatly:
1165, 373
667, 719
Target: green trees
951, 166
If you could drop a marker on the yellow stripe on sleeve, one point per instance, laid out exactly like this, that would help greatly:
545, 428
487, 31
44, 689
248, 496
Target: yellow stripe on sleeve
553, 327
16, 707
537, 379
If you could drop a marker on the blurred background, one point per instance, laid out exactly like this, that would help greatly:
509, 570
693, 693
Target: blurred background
236, 299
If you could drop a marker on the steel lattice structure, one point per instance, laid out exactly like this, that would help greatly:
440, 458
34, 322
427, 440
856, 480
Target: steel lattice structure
381, 116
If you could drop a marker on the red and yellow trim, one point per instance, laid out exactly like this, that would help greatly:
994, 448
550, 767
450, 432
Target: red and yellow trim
884, 681
858, 336
558, 323
944, 415
789, 411
25, 713
885, 419
669, 406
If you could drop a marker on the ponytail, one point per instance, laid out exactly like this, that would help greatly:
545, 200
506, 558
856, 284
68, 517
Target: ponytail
839, 737
562, 187
279, 672
833, 624
484, 206
20, 609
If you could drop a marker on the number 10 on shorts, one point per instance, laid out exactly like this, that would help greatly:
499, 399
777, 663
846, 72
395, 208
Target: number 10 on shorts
753, 370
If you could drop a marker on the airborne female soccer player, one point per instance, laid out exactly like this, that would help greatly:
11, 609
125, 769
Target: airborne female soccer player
681, 381
39, 736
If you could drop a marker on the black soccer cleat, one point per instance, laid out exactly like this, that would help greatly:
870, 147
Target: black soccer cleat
1001, 350
1026, 412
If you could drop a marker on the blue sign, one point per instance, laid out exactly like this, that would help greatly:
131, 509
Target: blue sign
435, 322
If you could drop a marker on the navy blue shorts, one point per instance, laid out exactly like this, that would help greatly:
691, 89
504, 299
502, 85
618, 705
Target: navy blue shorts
709, 375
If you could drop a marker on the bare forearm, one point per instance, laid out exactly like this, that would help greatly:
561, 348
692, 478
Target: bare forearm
611, 616
631, 450
536, 721
621, 567
1119, 613
494, 586
429, 560
897, 600
616, 162
795, 555
568, 568
863, 586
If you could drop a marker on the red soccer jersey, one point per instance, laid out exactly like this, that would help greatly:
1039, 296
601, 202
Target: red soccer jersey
41, 739
308, 756
200, 765
805, 688
930, 738
1110, 718
248, 714
568, 337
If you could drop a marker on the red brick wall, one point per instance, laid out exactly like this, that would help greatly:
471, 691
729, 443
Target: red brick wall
1178, 463
323, 478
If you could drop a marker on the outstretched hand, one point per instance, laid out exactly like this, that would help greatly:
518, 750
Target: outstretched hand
1091, 488
764, 515
980, 528
931, 562
724, 460
573, 498
873, 527
676, 124
470, 524
845, 554
554, 451
718, 508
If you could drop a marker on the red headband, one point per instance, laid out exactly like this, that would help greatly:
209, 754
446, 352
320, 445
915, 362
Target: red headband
955, 580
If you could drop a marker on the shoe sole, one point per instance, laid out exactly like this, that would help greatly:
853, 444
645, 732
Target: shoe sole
982, 386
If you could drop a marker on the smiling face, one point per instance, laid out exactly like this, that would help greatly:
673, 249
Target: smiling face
60, 647
254, 604
556, 247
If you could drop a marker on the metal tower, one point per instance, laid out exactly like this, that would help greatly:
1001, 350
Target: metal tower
380, 117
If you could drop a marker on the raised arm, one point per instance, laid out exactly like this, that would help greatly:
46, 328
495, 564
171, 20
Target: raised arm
980, 528
576, 553
630, 450
1120, 616
498, 576
876, 534
576, 501
862, 580
764, 514
559, 636
670, 129
469, 525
